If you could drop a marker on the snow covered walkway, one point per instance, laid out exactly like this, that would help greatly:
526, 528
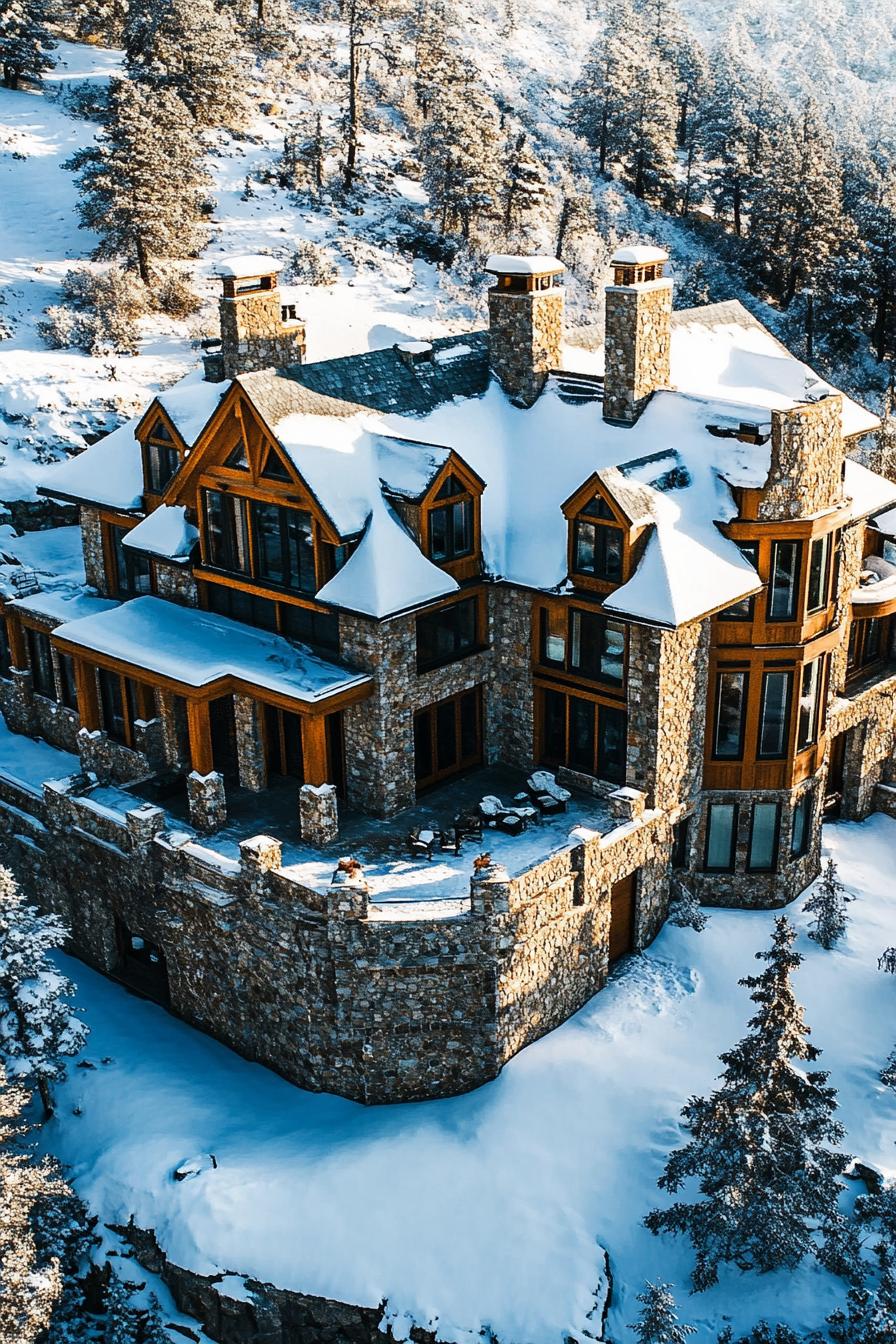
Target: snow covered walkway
488, 1208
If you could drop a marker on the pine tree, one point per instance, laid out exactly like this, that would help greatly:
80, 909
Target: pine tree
142, 186
758, 1144
38, 1028
437, 64
25, 40
602, 96
30, 1283
370, 33
189, 48
686, 911
658, 1322
870, 1314
99, 20
526, 191
461, 152
828, 904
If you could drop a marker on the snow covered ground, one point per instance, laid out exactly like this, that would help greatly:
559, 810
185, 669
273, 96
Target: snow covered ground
487, 1209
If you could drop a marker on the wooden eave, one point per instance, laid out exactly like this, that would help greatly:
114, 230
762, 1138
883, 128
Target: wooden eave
156, 411
573, 506
227, 684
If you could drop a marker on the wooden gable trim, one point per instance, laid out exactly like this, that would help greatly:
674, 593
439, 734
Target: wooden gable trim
156, 411
179, 488
455, 465
573, 506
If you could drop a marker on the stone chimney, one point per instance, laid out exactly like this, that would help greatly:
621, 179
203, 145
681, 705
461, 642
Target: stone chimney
525, 323
638, 332
258, 330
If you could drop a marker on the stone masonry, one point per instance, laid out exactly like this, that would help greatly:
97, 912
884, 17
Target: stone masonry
525, 339
254, 336
638, 346
805, 475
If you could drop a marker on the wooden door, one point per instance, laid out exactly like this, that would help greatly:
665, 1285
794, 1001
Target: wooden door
622, 917
833, 800
447, 738
141, 965
283, 743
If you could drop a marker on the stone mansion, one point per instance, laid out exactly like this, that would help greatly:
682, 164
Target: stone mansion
659, 573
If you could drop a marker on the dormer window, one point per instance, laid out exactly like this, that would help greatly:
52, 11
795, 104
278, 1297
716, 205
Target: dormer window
598, 542
451, 522
161, 459
238, 458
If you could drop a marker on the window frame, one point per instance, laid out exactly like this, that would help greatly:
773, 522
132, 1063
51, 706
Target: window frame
550, 619
601, 529
804, 807
729, 867
156, 474
460, 651
772, 865
745, 608
824, 595
40, 662
816, 668
599, 710
794, 605
788, 674
744, 675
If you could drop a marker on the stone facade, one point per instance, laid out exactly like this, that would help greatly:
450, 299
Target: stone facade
175, 583
254, 335
318, 814
93, 551
667, 682
806, 471
327, 988
638, 347
525, 339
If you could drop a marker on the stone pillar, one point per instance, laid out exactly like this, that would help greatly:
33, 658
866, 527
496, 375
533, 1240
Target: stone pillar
207, 801
20, 701
144, 823
318, 814
250, 743
490, 890
92, 546
93, 754
637, 347
260, 855
149, 741
173, 720
627, 804
525, 334
348, 893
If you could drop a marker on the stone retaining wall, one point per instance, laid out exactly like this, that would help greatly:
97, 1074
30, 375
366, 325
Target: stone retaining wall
377, 1003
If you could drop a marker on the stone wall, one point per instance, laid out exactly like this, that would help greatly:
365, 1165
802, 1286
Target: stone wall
753, 890
805, 475
92, 548
330, 990
176, 583
525, 339
253, 335
638, 346
667, 687
868, 717
510, 692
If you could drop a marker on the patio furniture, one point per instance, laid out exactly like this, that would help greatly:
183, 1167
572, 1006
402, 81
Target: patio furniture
512, 820
450, 839
548, 796
422, 840
468, 826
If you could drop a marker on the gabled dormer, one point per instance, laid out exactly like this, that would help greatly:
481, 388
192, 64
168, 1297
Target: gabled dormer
603, 534
451, 520
163, 452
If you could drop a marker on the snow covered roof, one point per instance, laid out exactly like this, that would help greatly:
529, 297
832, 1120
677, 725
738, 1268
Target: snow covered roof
869, 492
61, 606
109, 472
190, 404
247, 266
886, 522
506, 263
166, 533
197, 648
640, 255
387, 572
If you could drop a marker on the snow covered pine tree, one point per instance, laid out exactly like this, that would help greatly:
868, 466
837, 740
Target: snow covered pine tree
757, 1146
38, 1028
828, 904
25, 40
658, 1322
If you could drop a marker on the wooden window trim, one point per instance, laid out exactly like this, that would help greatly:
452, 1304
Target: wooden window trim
599, 703
251, 577
726, 669
541, 611
463, 763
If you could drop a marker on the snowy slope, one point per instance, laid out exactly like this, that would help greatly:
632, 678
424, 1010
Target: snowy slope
487, 1209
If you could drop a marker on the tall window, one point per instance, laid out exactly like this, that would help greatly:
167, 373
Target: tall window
133, 575
585, 643
763, 852
597, 542
801, 825
162, 459
819, 573
743, 610
785, 580
583, 735
721, 837
67, 683
227, 531
284, 546
811, 684
5, 649
451, 522
869, 642
774, 715
122, 703
41, 662
446, 634
731, 713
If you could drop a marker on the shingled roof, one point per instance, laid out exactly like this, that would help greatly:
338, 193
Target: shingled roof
395, 381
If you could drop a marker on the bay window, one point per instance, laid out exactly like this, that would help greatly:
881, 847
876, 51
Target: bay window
731, 713
743, 610
819, 573
774, 714
811, 685
785, 580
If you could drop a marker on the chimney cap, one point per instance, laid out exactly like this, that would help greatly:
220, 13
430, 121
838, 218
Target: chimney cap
504, 263
247, 267
641, 255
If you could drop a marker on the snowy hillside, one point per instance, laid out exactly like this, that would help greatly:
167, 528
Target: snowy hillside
488, 1210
